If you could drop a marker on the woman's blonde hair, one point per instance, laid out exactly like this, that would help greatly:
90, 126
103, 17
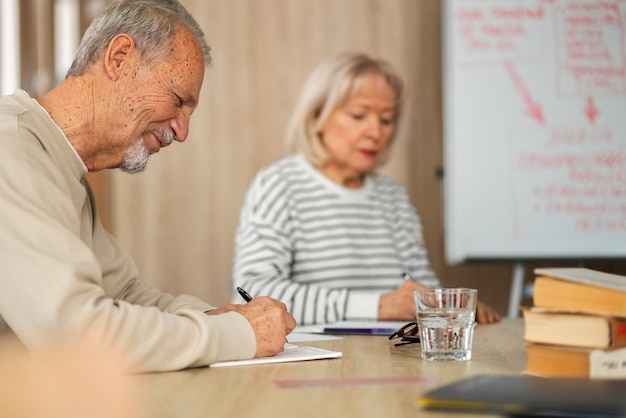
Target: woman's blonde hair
332, 83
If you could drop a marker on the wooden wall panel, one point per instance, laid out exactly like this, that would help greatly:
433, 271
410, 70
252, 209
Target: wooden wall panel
178, 218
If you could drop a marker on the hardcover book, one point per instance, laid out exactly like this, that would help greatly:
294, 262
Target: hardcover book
562, 361
580, 290
524, 395
573, 329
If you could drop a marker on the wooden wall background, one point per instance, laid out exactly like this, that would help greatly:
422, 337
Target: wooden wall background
179, 217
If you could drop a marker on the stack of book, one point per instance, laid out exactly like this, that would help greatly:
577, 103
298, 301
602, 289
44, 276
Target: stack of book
577, 324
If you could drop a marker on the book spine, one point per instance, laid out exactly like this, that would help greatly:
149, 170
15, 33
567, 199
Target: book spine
618, 337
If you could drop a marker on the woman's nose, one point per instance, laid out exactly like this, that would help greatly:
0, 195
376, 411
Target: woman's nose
374, 128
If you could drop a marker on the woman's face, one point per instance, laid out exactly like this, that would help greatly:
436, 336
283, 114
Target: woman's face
357, 132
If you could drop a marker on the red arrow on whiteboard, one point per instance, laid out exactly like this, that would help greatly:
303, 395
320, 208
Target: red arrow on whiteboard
534, 108
591, 110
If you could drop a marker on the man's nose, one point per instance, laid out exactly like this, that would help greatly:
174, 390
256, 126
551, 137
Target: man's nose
180, 125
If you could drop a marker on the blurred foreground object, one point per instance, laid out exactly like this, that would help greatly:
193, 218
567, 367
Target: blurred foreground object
74, 380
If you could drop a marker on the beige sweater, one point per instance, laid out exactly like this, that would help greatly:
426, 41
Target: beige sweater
62, 274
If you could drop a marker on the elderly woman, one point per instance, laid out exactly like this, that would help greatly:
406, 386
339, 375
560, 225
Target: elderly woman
319, 229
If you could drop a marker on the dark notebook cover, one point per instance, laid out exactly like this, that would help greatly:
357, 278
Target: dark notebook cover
524, 395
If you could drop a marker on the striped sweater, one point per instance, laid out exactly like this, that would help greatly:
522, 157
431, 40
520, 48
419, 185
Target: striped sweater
328, 252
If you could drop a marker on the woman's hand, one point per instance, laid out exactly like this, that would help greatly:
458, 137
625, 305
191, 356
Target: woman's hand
485, 314
399, 304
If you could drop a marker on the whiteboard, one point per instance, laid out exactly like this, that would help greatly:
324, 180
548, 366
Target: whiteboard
534, 129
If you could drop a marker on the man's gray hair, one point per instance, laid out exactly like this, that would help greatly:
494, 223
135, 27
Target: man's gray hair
151, 23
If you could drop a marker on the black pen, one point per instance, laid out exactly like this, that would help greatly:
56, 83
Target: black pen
244, 294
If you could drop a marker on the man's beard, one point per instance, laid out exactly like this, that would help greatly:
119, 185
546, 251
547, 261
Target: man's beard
135, 158
137, 155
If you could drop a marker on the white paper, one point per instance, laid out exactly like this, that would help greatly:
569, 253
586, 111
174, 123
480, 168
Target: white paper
608, 364
291, 353
300, 337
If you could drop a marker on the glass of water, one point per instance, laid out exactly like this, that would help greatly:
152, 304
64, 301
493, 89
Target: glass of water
446, 322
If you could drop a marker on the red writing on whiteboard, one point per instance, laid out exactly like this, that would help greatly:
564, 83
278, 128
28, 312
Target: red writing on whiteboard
491, 31
535, 160
591, 59
571, 137
572, 176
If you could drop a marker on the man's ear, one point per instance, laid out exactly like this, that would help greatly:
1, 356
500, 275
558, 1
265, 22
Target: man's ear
119, 55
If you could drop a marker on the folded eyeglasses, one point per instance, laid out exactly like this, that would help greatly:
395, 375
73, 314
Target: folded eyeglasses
408, 334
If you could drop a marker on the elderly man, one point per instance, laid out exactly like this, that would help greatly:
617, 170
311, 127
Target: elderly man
130, 91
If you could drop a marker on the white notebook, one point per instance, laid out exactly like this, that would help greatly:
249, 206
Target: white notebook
292, 353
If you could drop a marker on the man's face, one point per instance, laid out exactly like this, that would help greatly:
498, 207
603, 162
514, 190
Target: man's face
160, 102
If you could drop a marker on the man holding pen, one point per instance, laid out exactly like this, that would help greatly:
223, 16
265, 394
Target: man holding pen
130, 91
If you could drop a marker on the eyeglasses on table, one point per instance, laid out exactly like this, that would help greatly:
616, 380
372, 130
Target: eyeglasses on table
408, 334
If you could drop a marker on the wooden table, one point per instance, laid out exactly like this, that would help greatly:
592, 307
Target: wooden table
362, 383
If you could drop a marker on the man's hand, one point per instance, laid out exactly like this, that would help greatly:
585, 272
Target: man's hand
270, 321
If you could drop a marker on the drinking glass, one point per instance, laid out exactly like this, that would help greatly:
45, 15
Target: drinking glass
446, 321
